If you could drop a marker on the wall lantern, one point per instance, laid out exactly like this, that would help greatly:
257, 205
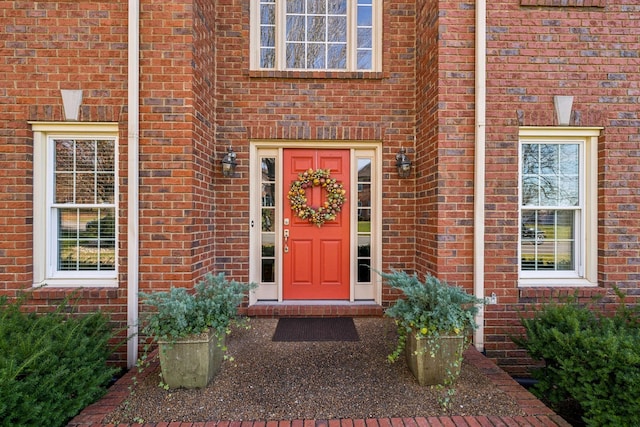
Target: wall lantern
229, 163
403, 164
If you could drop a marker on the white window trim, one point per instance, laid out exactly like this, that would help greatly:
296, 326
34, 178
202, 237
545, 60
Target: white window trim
254, 40
588, 245
43, 272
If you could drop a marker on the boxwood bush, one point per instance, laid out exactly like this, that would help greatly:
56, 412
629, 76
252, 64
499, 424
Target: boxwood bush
590, 358
51, 365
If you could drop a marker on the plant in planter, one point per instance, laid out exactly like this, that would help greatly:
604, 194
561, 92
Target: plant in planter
190, 327
434, 323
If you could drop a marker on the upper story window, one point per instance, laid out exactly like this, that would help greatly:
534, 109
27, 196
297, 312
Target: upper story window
558, 206
75, 194
332, 35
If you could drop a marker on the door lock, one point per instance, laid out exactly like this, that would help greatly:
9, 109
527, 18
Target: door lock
286, 240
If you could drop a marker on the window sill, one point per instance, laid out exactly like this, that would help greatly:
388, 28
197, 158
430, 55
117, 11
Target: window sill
290, 74
77, 283
564, 3
555, 283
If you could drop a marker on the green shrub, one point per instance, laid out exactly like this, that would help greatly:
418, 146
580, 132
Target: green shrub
430, 309
213, 303
589, 358
51, 365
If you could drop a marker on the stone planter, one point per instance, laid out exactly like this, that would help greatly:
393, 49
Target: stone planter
191, 362
433, 369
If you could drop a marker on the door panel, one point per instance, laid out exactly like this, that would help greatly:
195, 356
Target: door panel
301, 251
316, 259
330, 252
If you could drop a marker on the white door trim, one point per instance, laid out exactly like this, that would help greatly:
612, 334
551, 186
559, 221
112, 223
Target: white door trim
259, 149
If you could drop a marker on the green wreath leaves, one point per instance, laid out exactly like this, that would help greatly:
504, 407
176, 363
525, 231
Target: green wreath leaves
329, 209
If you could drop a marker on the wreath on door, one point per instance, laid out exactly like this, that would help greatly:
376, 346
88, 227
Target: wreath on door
329, 209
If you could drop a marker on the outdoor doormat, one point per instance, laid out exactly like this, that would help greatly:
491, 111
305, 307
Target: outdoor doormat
316, 329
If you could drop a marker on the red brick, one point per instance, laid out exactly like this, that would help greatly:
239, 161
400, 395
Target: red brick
423, 100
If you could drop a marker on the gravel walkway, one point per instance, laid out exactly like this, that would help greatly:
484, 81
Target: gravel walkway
311, 380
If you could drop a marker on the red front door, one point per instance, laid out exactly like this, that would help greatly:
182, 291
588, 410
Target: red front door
316, 259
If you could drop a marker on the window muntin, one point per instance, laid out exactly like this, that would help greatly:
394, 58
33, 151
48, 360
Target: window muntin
548, 241
550, 175
552, 209
268, 220
83, 204
364, 236
316, 35
85, 239
75, 204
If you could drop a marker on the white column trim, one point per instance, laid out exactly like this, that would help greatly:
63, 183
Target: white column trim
133, 119
479, 172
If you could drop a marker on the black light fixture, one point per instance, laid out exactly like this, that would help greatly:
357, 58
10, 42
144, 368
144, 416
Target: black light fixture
229, 163
403, 164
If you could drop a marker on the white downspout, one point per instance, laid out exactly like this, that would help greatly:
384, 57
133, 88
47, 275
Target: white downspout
133, 118
479, 172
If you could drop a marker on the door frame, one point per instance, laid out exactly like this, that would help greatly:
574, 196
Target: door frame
272, 292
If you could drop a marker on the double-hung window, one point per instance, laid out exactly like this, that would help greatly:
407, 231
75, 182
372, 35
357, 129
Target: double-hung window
558, 169
332, 35
75, 210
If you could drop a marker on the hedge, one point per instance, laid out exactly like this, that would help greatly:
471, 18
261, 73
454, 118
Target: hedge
51, 365
590, 358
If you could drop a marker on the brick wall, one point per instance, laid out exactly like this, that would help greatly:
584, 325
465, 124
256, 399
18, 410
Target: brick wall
445, 135
290, 105
533, 54
167, 151
427, 137
178, 158
206, 161
194, 81
46, 47
83, 45
198, 97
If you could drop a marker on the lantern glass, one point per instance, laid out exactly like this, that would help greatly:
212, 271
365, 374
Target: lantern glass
229, 163
403, 164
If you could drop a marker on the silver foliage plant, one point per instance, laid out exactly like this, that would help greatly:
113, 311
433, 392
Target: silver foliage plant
179, 312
